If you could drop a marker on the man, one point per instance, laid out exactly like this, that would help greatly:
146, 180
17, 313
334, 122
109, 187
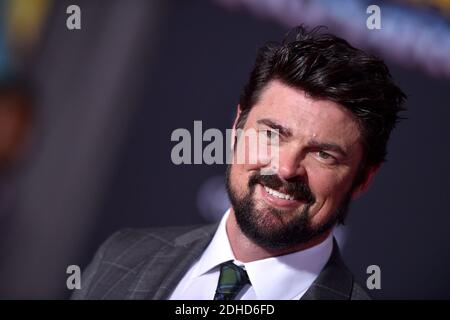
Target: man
330, 108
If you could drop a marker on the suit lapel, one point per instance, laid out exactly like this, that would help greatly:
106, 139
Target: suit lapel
335, 281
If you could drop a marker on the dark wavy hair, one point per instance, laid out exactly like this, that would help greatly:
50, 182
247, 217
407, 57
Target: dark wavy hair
328, 67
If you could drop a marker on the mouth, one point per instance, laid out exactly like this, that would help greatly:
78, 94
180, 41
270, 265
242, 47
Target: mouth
278, 194
278, 198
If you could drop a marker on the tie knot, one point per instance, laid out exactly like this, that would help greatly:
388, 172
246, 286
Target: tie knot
231, 280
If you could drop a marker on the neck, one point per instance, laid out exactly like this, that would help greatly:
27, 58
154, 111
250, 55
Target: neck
246, 250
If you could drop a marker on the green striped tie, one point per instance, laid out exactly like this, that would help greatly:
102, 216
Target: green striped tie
231, 280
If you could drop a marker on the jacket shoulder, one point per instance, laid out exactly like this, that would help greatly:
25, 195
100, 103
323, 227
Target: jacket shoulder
336, 281
135, 242
359, 293
121, 258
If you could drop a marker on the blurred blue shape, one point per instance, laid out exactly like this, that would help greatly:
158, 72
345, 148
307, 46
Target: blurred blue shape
212, 198
5, 59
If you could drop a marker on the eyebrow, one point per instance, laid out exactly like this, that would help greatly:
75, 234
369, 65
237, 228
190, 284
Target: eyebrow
327, 146
311, 143
272, 124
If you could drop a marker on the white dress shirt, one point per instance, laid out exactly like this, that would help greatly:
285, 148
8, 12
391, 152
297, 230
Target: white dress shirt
284, 277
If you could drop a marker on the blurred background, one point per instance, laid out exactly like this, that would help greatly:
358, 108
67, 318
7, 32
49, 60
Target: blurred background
86, 118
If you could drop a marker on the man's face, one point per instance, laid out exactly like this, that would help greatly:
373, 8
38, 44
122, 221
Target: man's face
319, 155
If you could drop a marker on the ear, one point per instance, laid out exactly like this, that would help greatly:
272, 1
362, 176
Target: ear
233, 132
367, 181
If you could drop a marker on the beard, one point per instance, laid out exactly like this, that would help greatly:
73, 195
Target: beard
273, 228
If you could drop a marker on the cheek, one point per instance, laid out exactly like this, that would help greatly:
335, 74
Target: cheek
329, 187
238, 178
323, 184
322, 181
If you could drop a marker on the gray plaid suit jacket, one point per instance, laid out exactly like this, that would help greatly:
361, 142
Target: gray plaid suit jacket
149, 263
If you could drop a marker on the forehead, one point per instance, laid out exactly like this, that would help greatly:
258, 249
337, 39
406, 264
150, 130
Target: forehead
305, 116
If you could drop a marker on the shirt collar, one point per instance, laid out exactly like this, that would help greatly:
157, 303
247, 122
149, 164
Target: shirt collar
218, 250
282, 277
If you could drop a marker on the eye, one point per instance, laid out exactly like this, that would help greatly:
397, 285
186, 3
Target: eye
326, 157
270, 134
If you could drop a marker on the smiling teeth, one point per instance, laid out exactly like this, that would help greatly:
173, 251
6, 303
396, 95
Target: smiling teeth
278, 194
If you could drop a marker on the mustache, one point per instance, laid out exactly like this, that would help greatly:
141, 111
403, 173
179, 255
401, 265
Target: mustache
298, 188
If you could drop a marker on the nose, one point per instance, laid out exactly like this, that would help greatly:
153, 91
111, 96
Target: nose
291, 164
